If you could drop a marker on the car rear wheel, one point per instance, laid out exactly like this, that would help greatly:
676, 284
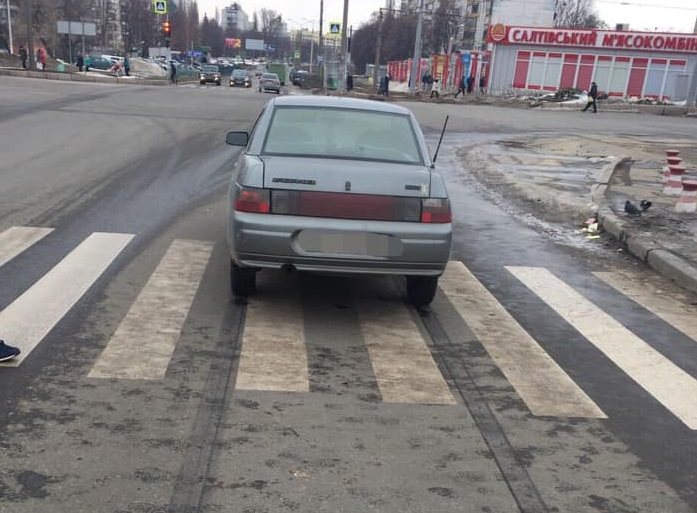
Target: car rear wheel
242, 280
421, 289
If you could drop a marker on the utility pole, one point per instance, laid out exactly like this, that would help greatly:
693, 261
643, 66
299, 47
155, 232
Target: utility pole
321, 28
378, 47
30, 37
344, 46
417, 48
9, 25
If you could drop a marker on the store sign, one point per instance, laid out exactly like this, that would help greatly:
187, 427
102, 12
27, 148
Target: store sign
652, 41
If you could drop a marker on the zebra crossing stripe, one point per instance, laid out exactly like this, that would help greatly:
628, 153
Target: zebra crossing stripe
144, 342
402, 363
682, 317
33, 315
668, 383
17, 239
273, 355
544, 386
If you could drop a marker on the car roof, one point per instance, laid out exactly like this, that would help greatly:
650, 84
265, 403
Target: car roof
340, 102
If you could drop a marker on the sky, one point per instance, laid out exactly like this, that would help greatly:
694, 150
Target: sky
656, 15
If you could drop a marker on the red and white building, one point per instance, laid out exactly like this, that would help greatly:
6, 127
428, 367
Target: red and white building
622, 63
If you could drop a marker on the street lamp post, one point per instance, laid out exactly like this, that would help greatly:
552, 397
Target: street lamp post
9, 25
344, 46
417, 48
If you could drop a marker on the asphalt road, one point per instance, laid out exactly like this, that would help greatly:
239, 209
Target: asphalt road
547, 376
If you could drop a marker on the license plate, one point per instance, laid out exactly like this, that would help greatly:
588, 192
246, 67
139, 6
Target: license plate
346, 243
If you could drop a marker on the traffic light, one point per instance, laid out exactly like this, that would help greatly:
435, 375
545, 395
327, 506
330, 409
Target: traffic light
167, 31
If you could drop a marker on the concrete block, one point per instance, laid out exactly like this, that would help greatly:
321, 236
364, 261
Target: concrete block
674, 267
611, 224
640, 247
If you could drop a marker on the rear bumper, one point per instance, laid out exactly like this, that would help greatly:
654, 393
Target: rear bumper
272, 241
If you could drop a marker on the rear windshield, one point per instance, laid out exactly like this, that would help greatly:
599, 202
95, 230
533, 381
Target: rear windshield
342, 133
269, 75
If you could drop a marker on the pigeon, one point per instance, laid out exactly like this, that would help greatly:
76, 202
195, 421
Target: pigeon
631, 208
645, 204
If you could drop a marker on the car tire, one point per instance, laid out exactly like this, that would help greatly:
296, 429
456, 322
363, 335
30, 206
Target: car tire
421, 289
242, 280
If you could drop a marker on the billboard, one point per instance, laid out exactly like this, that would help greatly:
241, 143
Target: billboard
537, 13
254, 44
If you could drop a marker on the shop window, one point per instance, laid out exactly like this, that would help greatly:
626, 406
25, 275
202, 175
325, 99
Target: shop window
536, 75
655, 76
553, 72
619, 77
602, 73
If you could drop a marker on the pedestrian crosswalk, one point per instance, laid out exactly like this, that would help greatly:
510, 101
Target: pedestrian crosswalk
274, 354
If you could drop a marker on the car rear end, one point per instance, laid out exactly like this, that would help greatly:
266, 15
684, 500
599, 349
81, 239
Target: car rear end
387, 213
270, 83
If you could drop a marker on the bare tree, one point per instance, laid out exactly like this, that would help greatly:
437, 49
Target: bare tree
444, 25
576, 14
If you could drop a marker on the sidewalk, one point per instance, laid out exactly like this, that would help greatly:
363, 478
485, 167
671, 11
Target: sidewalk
568, 179
662, 237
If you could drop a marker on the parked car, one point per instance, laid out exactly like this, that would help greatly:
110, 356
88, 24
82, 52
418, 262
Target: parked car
300, 77
241, 77
269, 82
210, 73
343, 185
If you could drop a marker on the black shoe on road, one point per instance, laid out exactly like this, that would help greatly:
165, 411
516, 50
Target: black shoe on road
7, 352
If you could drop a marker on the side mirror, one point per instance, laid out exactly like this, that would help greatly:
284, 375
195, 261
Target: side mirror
237, 138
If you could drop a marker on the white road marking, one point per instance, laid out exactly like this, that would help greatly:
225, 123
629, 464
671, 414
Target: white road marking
273, 355
679, 315
143, 344
26, 321
402, 363
669, 384
542, 384
17, 239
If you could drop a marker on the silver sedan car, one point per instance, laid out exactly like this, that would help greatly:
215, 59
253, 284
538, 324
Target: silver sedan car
340, 185
269, 82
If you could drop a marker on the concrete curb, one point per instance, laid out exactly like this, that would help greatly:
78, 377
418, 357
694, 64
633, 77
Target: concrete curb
659, 258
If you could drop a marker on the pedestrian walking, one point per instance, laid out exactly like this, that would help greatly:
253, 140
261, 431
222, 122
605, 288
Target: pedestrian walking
592, 98
80, 61
435, 87
482, 84
127, 66
41, 58
7, 352
461, 87
173, 73
470, 84
23, 56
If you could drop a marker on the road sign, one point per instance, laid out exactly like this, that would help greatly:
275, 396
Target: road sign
297, 54
335, 27
77, 28
159, 6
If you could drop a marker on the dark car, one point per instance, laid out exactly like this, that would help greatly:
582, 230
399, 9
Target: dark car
270, 82
210, 73
240, 77
300, 77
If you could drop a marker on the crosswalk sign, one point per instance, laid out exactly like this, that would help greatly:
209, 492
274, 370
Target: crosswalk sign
334, 28
160, 6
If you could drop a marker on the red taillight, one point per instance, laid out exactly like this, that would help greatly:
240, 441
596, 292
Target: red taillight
252, 200
435, 211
